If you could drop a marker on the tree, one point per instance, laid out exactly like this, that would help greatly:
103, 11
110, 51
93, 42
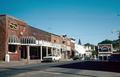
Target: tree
115, 43
89, 45
93, 49
106, 42
95, 52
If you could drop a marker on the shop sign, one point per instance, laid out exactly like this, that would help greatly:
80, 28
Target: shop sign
13, 26
105, 47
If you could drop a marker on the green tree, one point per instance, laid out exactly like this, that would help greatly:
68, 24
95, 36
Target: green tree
89, 45
94, 49
106, 42
115, 43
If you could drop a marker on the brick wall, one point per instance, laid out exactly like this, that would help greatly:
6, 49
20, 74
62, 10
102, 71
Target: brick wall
56, 39
2, 36
39, 34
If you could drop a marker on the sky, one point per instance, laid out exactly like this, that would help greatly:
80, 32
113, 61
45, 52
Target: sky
91, 21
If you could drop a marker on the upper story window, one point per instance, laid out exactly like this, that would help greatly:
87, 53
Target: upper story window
13, 39
28, 40
54, 41
63, 42
104, 49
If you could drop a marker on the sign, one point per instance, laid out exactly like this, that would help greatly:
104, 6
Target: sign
13, 26
105, 47
23, 31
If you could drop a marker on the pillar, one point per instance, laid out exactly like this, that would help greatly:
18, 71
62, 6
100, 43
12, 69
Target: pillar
66, 54
56, 52
28, 54
52, 51
41, 52
46, 51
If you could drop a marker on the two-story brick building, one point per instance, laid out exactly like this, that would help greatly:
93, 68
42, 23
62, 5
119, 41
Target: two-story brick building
19, 41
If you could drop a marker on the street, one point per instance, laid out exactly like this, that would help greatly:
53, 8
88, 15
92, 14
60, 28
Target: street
61, 69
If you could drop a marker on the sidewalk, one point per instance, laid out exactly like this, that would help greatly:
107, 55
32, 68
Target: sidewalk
17, 63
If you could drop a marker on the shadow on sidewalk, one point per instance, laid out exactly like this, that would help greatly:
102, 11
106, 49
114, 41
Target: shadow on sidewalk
94, 65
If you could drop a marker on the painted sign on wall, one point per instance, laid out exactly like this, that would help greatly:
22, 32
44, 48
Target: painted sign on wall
13, 26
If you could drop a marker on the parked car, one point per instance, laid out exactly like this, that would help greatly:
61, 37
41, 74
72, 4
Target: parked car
52, 58
77, 57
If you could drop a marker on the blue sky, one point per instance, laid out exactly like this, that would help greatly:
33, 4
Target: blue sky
90, 20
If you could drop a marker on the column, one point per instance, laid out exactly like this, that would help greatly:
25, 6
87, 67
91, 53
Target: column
28, 54
59, 53
66, 54
19, 51
46, 51
56, 52
41, 52
52, 51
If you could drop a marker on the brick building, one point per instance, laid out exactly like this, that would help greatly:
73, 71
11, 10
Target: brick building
21, 41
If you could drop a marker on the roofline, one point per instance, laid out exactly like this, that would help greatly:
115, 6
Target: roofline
3, 15
12, 17
28, 24
104, 44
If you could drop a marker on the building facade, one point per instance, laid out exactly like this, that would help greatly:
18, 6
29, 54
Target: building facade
19, 40
105, 51
83, 51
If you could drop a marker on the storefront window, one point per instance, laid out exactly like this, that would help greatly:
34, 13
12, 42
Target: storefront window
12, 48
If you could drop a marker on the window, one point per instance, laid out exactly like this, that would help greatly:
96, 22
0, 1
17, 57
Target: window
28, 40
13, 39
100, 57
12, 48
63, 42
54, 41
105, 57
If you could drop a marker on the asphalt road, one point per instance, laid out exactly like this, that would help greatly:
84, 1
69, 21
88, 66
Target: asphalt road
62, 69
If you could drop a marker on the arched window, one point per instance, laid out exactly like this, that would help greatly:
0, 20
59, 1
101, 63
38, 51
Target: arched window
28, 40
13, 39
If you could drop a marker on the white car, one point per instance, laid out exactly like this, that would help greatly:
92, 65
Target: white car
52, 58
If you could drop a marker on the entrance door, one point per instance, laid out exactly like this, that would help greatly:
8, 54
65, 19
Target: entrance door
23, 52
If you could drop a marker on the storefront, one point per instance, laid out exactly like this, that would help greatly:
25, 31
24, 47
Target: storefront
21, 41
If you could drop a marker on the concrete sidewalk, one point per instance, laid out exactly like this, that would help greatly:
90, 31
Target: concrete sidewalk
18, 63
23, 62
